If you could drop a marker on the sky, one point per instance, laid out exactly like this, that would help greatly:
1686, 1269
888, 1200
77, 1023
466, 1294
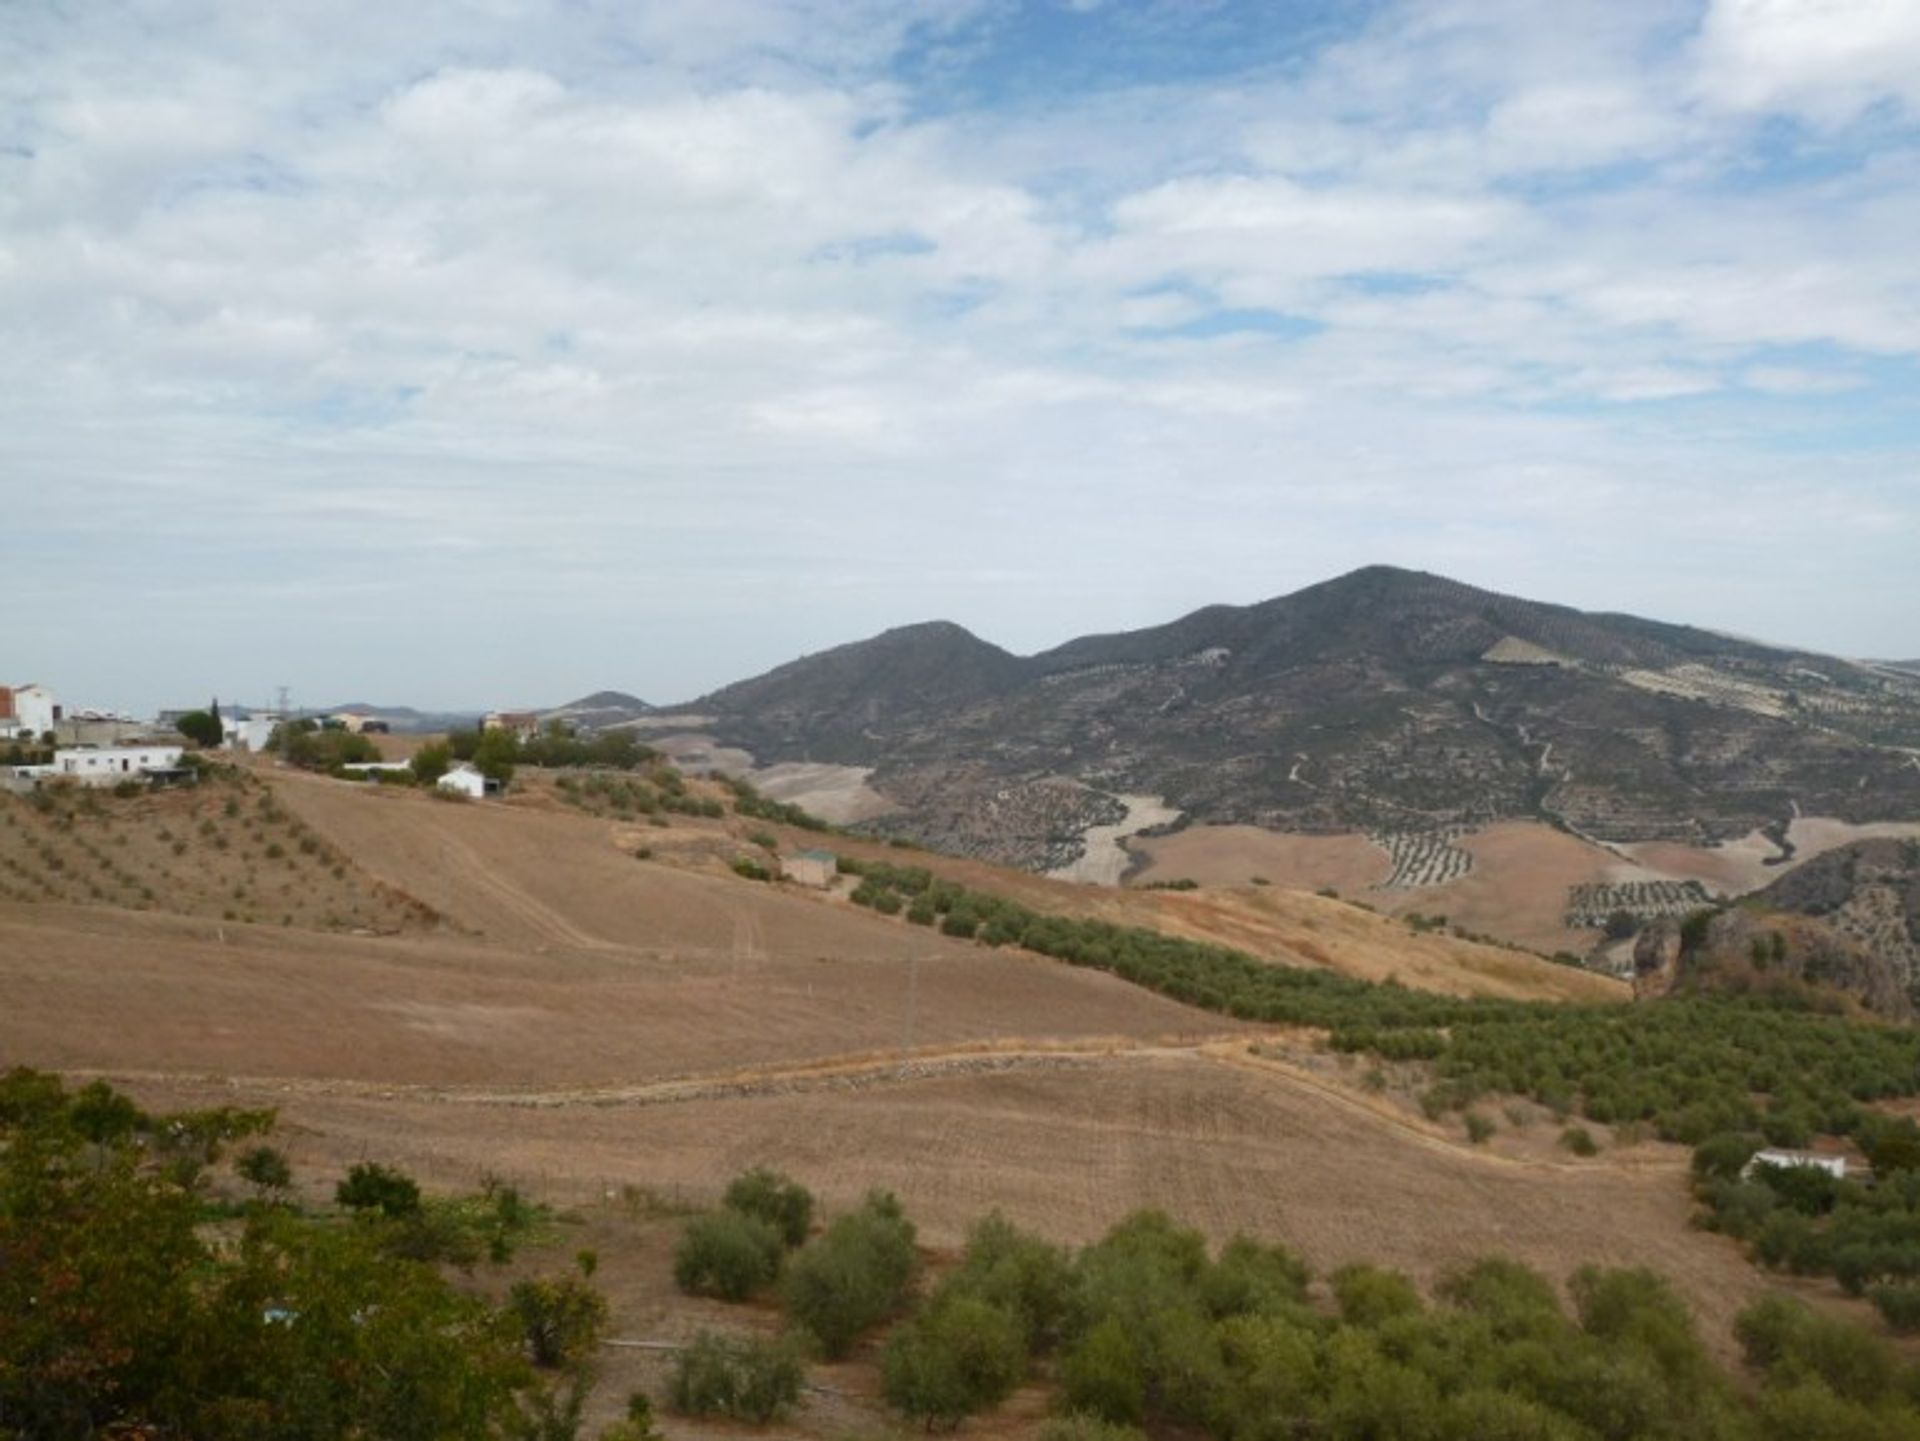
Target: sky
487, 354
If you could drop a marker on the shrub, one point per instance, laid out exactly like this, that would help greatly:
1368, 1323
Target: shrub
854, 1276
1479, 1128
727, 1254
960, 1356
1899, 1306
561, 1320
782, 1202
1579, 1140
736, 1377
265, 1168
371, 1186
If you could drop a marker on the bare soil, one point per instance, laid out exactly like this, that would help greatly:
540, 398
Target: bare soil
1237, 855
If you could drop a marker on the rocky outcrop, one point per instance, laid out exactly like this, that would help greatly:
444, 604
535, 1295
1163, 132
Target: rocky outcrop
1752, 948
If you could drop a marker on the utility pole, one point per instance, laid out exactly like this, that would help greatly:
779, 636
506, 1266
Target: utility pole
913, 1005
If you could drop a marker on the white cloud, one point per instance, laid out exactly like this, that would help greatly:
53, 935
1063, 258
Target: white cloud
592, 305
1825, 59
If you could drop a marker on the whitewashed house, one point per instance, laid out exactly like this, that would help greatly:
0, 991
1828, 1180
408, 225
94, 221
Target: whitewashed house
250, 734
466, 780
102, 766
36, 709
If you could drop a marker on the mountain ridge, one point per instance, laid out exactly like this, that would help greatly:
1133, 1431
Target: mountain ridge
1383, 700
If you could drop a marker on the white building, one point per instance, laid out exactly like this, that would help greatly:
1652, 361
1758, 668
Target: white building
36, 709
100, 766
465, 780
251, 734
1834, 1166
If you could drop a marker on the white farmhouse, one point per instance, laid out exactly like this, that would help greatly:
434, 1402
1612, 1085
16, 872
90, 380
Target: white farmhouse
35, 709
102, 766
465, 780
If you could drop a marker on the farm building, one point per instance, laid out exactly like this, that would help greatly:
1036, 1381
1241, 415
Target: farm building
360, 724
522, 723
250, 733
1834, 1166
465, 780
35, 710
104, 766
811, 868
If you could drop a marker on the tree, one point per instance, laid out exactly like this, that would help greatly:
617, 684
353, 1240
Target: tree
495, 755
265, 1168
371, 1186
561, 1319
854, 1276
782, 1202
727, 1254
431, 762
746, 1379
960, 1356
200, 727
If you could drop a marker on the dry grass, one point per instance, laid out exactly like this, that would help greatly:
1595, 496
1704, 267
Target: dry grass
601, 1021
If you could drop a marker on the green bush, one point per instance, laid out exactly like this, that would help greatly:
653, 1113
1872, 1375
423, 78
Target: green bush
561, 1320
782, 1202
960, 1356
736, 1377
371, 1186
1579, 1140
855, 1276
727, 1254
265, 1168
1899, 1306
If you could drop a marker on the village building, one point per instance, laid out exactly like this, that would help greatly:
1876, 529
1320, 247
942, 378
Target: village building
103, 766
248, 733
34, 710
811, 868
524, 724
466, 780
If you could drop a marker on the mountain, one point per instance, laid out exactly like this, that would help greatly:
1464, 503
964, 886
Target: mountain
603, 710
402, 718
1384, 700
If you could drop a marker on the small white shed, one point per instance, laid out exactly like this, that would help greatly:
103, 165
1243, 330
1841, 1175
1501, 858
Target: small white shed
466, 780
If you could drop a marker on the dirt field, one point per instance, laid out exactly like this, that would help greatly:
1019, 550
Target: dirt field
1522, 873
1065, 1143
1236, 855
584, 1021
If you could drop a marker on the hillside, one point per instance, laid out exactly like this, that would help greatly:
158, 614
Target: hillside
587, 1018
1385, 701
1868, 892
227, 850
